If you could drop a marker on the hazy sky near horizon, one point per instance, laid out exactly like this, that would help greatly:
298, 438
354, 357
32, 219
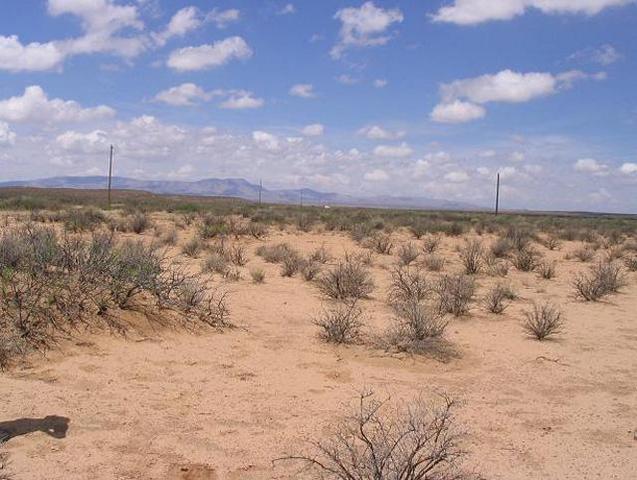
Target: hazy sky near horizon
398, 97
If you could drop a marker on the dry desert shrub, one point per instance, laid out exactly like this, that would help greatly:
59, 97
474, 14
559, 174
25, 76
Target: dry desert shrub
291, 264
526, 259
50, 286
169, 237
455, 293
497, 299
4, 467
631, 263
238, 255
546, 270
140, 222
431, 243
496, 267
583, 254
418, 329
258, 275
275, 253
407, 253
310, 269
433, 263
520, 238
349, 279
543, 321
471, 256
416, 441
501, 248
551, 242
408, 285
82, 219
212, 226
216, 263
603, 279
380, 243
192, 247
340, 323
320, 255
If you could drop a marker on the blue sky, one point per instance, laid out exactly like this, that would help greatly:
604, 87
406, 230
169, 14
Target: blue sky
385, 97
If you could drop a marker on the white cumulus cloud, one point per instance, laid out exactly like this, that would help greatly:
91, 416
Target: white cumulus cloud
313, 130
35, 106
628, 168
589, 165
365, 26
471, 12
303, 90
33, 57
7, 137
210, 55
376, 132
395, 151
242, 100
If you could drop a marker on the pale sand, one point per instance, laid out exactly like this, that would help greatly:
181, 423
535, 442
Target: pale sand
210, 405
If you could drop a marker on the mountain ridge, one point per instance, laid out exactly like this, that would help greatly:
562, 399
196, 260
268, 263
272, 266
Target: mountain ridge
240, 188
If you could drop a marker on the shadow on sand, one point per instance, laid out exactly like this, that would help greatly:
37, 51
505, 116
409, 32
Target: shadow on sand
52, 425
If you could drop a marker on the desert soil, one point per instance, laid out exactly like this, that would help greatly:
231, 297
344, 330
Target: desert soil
171, 404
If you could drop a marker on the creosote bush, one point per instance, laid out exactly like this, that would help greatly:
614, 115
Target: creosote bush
546, 270
407, 253
192, 247
258, 275
604, 278
408, 285
414, 441
497, 299
381, 243
543, 321
526, 259
275, 253
455, 293
340, 323
349, 279
471, 256
584, 254
431, 243
433, 263
631, 263
50, 287
418, 329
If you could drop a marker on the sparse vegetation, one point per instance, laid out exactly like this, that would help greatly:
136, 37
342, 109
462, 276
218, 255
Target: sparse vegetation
407, 253
526, 259
603, 279
418, 441
471, 256
434, 263
408, 285
497, 299
258, 275
455, 293
546, 270
340, 323
348, 279
381, 243
543, 321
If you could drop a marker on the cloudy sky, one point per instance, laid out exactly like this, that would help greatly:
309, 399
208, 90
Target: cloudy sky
394, 97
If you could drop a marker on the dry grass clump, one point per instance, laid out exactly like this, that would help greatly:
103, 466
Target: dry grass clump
433, 263
431, 243
82, 219
455, 293
320, 255
408, 285
380, 243
192, 248
551, 242
407, 253
348, 279
603, 279
631, 263
140, 222
526, 259
543, 321
471, 256
238, 255
217, 263
583, 254
340, 323
275, 253
416, 441
168, 237
546, 270
497, 299
496, 267
501, 248
310, 269
520, 237
291, 264
418, 329
50, 286
258, 275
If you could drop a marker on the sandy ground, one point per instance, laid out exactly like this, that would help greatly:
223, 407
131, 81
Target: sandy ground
211, 405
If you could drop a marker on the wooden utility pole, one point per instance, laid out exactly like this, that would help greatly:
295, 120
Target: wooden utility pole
260, 190
110, 174
497, 195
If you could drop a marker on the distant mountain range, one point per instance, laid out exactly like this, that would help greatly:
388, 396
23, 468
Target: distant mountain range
240, 188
